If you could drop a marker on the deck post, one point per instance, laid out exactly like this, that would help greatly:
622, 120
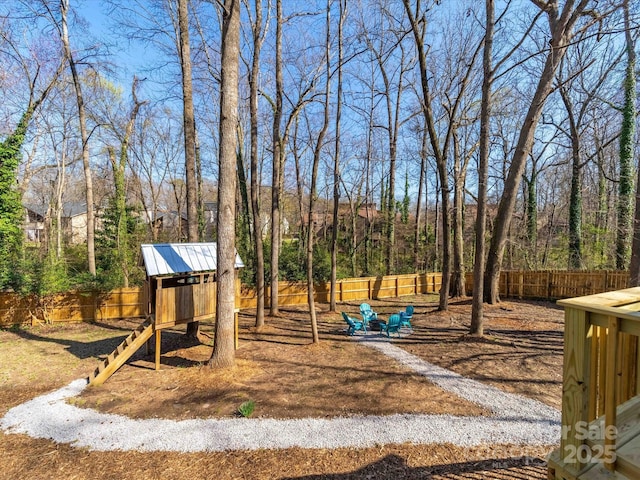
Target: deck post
158, 348
575, 394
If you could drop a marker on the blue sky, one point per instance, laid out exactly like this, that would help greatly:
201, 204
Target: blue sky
128, 57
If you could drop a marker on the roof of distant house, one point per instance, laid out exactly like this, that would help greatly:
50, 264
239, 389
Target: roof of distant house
69, 209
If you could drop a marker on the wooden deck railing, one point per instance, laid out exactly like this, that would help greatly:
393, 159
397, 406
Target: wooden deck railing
600, 383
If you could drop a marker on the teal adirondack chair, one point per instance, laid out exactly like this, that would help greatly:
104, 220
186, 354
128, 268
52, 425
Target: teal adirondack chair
392, 325
354, 325
367, 313
406, 316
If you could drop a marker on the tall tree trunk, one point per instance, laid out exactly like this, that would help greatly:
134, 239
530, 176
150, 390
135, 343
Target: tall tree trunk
477, 302
336, 164
627, 224
276, 180
394, 125
561, 29
627, 143
458, 287
575, 214
188, 121
421, 186
314, 179
368, 194
418, 29
120, 195
297, 161
575, 195
84, 136
189, 130
532, 215
223, 354
243, 220
202, 224
258, 39
602, 212
11, 211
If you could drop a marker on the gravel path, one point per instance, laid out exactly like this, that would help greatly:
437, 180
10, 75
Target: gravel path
516, 420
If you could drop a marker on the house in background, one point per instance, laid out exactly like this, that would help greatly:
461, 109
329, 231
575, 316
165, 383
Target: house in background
73, 222
34, 224
173, 225
170, 225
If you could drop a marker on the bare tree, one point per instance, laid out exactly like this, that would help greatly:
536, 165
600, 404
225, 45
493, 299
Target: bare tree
120, 195
259, 31
223, 354
561, 30
440, 144
461, 158
189, 130
336, 158
626, 226
278, 166
390, 60
155, 151
317, 152
63, 32
627, 143
40, 83
189, 122
421, 193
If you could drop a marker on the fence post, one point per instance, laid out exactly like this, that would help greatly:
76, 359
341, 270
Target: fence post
520, 284
96, 307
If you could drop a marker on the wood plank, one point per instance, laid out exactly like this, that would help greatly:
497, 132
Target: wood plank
610, 395
593, 373
628, 461
599, 472
602, 371
628, 426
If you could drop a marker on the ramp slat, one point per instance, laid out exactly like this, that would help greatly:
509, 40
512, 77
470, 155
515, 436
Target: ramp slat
122, 353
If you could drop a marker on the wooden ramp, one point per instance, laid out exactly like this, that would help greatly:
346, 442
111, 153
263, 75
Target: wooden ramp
122, 353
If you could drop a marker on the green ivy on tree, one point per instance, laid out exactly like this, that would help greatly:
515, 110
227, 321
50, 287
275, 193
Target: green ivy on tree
11, 211
110, 255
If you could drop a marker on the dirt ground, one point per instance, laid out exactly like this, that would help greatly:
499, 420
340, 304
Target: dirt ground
287, 377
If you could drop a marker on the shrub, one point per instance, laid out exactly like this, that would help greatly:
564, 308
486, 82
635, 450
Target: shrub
246, 408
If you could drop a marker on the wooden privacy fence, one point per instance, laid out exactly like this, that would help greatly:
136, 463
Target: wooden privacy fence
558, 284
71, 306
129, 302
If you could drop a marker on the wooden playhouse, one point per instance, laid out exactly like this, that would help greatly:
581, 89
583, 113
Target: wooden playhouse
600, 436
180, 287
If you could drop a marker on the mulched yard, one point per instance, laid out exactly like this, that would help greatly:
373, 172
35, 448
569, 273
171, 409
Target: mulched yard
288, 377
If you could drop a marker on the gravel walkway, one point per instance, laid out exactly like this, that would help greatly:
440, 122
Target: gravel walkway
516, 420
